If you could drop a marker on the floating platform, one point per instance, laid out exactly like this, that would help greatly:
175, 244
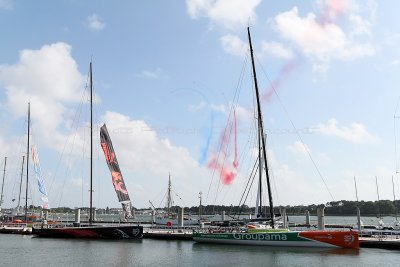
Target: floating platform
15, 228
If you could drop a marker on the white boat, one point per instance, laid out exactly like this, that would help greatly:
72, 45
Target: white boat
171, 218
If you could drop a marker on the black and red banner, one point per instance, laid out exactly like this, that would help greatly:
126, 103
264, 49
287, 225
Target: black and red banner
116, 175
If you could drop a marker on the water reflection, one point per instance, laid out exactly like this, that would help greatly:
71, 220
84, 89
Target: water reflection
199, 247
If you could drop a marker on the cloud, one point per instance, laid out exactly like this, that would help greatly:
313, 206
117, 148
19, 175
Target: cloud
142, 153
299, 148
94, 22
277, 50
140, 147
49, 79
6, 4
320, 39
233, 45
356, 133
156, 74
228, 13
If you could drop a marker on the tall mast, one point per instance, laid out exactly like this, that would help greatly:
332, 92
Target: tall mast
377, 192
261, 133
260, 209
20, 183
200, 197
169, 196
394, 200
91, 146
2, 185
27, 164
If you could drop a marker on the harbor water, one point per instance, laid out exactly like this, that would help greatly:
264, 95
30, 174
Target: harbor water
26, 250
20, 250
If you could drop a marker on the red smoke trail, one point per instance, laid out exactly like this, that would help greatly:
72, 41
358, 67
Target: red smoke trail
285, 71
219, 163
235, 162
331, 11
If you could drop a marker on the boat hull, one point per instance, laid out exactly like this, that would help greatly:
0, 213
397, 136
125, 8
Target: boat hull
92, 232
324, 239
174, 222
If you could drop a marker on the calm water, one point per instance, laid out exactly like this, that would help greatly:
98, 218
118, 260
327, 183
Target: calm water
17, 250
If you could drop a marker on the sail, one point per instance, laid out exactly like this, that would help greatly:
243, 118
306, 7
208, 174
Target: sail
39, 177
118, 181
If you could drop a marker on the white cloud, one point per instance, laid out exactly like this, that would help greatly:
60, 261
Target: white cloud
197, 107
299, 148
140, 148
228, 13
6, 4
321, 39
94, 22
276, 49
360, 26
356, 133
289, 182
158, 73
141, 153
232, 44
49, 79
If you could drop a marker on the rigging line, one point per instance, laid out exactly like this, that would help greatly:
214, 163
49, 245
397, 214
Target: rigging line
14, 169
225, 148
225, 143
395, 138
395, 146
249, 145
247, 188
297, 133
69, 163
73, 126
236, 96
97, 147
397, 106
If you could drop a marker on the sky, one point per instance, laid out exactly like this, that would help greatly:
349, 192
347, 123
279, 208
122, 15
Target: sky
172, 81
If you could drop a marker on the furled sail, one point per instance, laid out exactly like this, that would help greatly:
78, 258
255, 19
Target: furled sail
39, 177
116, 175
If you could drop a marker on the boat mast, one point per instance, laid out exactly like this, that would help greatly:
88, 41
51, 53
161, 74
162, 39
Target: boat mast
394, 200
20, 183
260, 206
91, 146
377, 192
27, 164
2, 185
200, 197
169, 204
261, 133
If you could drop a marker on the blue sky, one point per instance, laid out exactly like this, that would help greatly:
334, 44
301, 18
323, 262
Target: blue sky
165, 78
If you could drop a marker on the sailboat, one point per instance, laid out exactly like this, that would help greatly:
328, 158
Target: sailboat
274, 236
171, 218
2, 184
92, 230
19, 225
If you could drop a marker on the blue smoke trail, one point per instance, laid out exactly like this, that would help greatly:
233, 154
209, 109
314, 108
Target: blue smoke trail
206, 131
208, 136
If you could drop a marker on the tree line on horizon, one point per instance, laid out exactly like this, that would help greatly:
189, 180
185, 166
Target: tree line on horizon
342, 207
